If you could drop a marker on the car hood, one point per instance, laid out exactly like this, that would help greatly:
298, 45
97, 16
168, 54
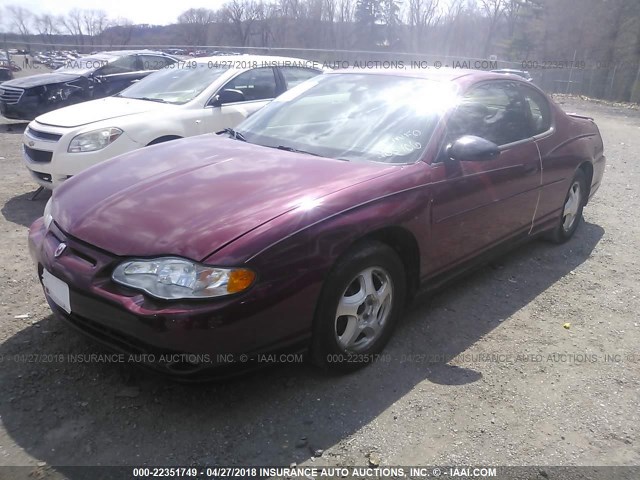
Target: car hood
192, 197
97, 110
42, 79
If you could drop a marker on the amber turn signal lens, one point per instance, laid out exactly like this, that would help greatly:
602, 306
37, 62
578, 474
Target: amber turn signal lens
240, 280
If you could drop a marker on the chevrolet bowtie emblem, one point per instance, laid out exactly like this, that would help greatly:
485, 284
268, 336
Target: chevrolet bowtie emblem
61, 248
31, 144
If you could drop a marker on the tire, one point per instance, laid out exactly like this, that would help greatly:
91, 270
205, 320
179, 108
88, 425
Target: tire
348, 342
571, 212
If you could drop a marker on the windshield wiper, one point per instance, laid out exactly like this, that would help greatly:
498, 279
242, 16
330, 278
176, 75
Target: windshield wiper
233, 133
149, 99
295, 150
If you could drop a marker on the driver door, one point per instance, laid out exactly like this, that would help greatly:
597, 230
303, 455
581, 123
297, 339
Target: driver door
258, 87
478, 204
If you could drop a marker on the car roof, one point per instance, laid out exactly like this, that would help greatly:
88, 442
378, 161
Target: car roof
121, 53
267, 59
443, 74
509, 70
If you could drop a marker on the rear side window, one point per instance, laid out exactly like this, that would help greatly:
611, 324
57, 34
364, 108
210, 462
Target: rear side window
119, 65
496, 111
155, 62
296, 75
539, 108
256, 84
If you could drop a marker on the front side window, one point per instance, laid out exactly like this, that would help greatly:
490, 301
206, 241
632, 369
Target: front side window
256, 84
353, 116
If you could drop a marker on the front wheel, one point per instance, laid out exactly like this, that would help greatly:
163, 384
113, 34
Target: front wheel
572, 209
360, 303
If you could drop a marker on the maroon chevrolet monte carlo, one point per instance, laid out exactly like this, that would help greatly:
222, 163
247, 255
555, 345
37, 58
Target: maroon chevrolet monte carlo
314, 223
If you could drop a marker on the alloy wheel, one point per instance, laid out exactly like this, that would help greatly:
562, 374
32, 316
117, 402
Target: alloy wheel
572, 206
363, 309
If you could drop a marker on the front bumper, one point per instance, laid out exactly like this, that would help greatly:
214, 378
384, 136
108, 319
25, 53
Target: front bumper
25, 111
48, 160
188, 340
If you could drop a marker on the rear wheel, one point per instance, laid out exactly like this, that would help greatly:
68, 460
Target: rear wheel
572, 209
361, 301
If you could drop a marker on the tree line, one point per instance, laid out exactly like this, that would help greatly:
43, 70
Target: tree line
603, 34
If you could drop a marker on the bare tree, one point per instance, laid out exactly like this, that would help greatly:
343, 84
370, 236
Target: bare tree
73, 24
195, 24
453, 30
119, 33
494, 10
241, 15
47, 27
422, 14
21, 20
512, 11
329, 13
94, 22
345, 17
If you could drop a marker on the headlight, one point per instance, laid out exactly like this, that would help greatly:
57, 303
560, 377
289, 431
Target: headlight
47, 214
95, 140
172, 278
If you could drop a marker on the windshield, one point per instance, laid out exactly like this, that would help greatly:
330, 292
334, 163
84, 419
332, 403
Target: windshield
361, 117
81, 66
173, 84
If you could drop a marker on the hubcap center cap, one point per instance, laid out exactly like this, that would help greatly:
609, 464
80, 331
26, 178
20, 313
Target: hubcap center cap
369, 307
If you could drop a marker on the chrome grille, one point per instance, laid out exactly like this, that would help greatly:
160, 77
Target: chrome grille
10, 95
50, 137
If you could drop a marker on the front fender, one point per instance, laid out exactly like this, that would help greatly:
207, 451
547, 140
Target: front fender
294, 248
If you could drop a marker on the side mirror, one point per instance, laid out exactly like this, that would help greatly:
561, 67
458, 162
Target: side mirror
227, 95
472, 149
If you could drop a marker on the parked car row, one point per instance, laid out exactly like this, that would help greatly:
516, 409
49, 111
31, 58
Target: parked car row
55, 59
77, 81
206, 96
197, 53
309, 224
9, 65
6, 73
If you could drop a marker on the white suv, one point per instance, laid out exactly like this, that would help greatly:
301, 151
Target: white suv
188, 98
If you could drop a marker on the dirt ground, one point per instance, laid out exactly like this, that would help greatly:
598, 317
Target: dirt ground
484, 372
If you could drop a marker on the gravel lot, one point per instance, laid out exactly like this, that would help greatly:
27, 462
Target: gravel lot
484, 372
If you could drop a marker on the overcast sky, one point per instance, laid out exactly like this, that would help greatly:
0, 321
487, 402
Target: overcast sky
160, 12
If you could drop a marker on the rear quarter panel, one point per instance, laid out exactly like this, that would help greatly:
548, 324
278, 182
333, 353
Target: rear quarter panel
574, 142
